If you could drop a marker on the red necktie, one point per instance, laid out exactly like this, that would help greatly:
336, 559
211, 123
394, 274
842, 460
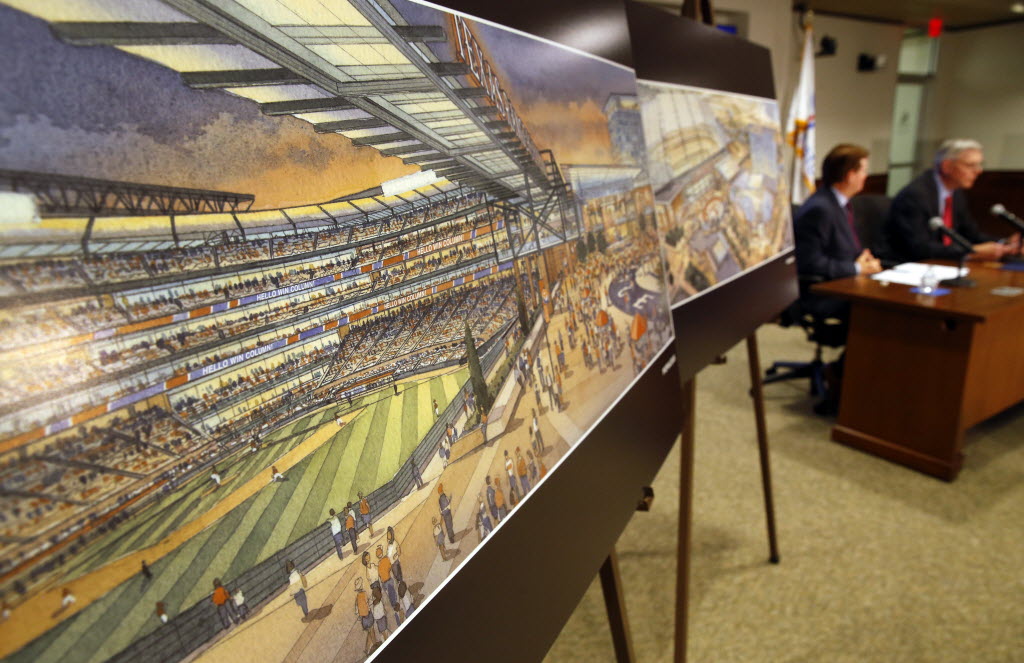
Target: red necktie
853, 228
947, 218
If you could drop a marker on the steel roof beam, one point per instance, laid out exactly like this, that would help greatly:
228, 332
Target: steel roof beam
407, 149
319, 35
202, 80
470, 92
349, 125
254, 77
117, 33
381, 139
252, 31
449, 68
425, 157
421, 33
473, 149
306, 106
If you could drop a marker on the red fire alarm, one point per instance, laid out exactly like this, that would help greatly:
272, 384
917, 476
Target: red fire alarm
934, 27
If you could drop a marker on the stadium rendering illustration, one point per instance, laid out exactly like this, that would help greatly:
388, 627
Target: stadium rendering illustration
231, 428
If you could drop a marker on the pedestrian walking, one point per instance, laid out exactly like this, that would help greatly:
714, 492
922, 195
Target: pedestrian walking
491, 503
161, 612
337, 532
372, 574
445, 504
222, 600
510, 471
238, 598
365, 617
364, 513
499, 500
394, 550
350, 525
405, 598
379, 617
297, 586
484, 519
439, 538
522, 472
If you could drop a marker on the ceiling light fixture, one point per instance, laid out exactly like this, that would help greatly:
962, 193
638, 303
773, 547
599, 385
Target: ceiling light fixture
1017, 8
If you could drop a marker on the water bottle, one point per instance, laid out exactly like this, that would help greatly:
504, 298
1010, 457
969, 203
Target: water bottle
929, 281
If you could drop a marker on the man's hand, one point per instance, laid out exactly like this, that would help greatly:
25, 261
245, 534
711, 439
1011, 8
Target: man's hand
1012, 244
868, 263
989, 251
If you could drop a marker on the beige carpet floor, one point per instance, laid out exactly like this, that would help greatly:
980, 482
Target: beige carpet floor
879, 563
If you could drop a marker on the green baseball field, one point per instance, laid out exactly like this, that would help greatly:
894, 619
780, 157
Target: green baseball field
350, 460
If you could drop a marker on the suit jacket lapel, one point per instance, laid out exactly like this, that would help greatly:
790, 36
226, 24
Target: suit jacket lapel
932, 193
839, 213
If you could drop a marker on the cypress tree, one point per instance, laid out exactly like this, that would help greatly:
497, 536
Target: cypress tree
524, 318
476, 373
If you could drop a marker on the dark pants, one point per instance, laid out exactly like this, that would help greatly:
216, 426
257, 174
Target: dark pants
227, 614
447, 515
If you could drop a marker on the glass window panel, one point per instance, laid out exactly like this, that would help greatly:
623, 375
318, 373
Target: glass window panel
213, 57
314, 12
265, 94
905, 120
100, 10
918, 54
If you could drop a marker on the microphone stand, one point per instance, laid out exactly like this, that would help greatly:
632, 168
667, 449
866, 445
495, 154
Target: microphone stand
961, 280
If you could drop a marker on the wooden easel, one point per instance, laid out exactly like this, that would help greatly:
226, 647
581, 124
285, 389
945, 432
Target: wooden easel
698, 10
609, 574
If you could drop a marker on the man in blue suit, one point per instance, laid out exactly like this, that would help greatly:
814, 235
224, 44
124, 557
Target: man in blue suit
827, 246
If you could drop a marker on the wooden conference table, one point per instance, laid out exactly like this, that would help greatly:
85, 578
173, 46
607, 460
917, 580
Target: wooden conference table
920, 370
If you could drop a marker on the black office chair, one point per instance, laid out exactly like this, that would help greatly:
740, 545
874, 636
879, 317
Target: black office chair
821, 330
869, 213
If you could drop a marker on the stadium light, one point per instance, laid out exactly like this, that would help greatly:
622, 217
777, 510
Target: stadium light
409, 182
18, 208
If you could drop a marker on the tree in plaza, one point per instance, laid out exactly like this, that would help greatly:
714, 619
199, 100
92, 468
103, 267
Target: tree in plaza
581, 250
592, 241
476, 373
524, 318
602, 242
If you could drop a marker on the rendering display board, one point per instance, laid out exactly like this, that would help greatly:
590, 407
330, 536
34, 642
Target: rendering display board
319, 317
715, 160
715, 155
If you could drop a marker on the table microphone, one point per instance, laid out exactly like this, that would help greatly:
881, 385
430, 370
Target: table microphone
1008, 216
936, 223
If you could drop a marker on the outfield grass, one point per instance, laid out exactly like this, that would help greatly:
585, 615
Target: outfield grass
362, 456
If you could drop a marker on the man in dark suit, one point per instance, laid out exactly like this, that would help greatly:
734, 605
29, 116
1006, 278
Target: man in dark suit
827, 248
939, 192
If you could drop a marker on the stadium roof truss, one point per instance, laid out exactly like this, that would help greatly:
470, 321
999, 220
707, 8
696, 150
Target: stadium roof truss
63, 194
353, 67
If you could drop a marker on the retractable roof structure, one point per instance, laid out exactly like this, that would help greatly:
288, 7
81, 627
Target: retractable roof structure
353, 67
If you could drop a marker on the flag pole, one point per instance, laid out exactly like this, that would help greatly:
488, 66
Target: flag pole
800, 123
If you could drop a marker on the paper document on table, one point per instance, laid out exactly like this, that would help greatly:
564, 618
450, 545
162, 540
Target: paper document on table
910, 273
